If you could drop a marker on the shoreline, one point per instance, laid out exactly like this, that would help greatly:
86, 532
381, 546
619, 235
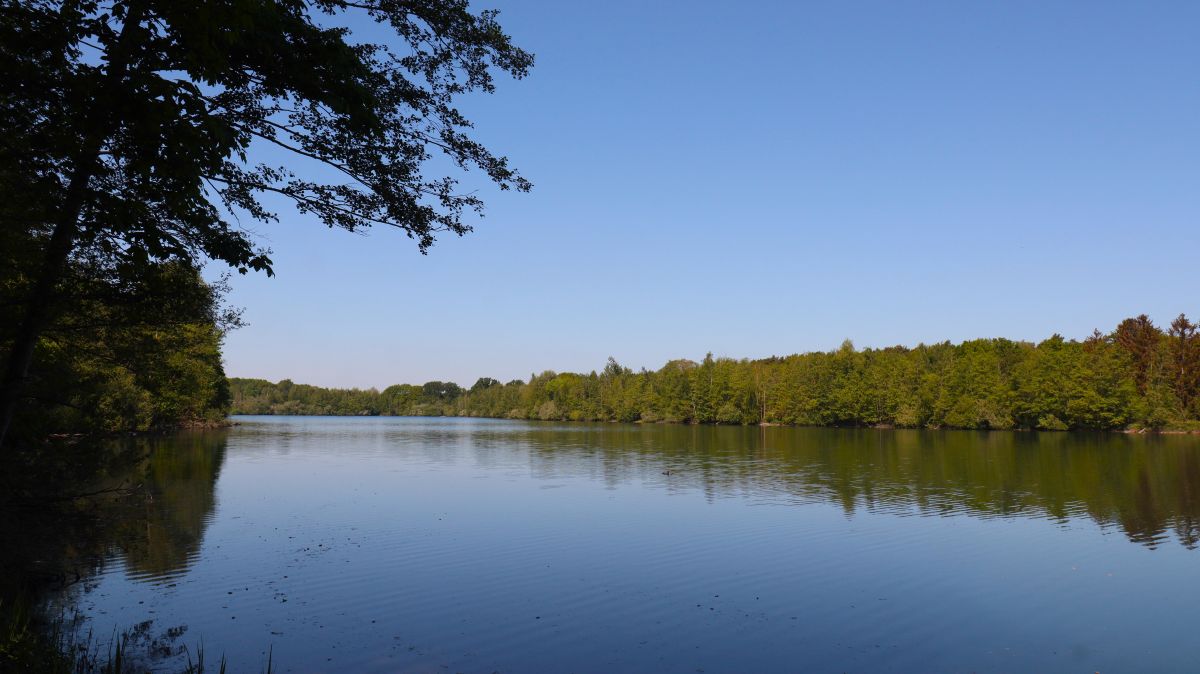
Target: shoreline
230, 421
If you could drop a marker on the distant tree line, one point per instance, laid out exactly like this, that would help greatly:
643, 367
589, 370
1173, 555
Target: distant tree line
1139, 376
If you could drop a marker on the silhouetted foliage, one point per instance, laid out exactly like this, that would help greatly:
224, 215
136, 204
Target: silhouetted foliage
130, 127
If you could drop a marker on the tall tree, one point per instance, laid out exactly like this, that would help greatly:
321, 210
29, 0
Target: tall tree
130, 128
1139, 338
1184, 348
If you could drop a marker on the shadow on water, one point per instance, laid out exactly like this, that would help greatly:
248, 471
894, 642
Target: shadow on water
145, 500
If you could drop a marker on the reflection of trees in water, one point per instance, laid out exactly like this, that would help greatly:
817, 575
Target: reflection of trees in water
162, 534
152, 509
1146, 485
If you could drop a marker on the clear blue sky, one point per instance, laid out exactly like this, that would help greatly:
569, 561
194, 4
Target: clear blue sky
769, 178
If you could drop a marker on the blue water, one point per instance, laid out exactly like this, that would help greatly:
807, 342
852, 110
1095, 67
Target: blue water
462, 545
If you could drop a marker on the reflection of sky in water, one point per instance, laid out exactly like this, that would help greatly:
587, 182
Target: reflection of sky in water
479, 545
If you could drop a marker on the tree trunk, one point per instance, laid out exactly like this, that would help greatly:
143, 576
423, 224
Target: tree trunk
39, 305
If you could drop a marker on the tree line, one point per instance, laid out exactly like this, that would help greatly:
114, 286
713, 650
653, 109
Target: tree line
1137, 376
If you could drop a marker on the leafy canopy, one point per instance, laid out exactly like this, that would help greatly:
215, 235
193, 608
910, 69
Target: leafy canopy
149, 115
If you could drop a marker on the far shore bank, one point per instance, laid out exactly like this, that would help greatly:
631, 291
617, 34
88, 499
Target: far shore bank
232, 421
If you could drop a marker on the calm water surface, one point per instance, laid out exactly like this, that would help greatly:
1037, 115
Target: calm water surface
461, 545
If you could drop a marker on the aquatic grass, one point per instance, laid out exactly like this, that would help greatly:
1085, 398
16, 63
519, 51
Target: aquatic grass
198, 666
59, 648
116, 660
24, 648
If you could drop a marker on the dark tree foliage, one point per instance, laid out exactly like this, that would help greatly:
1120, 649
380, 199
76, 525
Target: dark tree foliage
1184, 354
441, 390
1058, 384
129, 351
483, 383
129, 129
1139, 337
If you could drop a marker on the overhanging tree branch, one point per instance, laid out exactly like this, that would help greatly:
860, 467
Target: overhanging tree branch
131, 139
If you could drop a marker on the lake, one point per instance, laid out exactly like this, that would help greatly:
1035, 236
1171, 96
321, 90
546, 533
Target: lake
373, 544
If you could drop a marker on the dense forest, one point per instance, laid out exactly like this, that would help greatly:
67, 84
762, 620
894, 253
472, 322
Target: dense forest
1137, 376
134, 346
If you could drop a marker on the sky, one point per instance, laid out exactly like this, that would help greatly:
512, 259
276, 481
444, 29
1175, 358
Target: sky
759, 178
